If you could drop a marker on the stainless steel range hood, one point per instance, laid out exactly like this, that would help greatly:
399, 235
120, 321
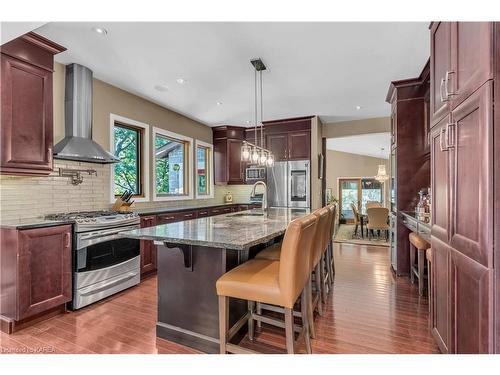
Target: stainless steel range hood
78, 144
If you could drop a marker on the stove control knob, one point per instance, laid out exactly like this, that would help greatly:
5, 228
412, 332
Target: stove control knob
94, 220
87, 220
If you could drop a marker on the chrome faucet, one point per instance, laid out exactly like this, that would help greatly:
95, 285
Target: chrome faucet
264, 196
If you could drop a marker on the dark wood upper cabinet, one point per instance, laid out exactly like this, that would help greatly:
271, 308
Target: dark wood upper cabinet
471, 148
299, 145
228, 167
471, 58
278, 145
289, 139
440, 181
235, 167
26, 94
440, 64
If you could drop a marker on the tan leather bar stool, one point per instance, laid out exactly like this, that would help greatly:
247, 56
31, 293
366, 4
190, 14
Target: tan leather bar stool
324, 263
333, 208
428, 256
418, 245
278, 283
319, 240
329, 248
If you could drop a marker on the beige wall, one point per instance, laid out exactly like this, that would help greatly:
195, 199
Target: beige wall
27, 197
344, 165
108, 99
347, 128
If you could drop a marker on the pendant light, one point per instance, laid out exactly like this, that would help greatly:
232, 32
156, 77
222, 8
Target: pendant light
256, 153
382, 173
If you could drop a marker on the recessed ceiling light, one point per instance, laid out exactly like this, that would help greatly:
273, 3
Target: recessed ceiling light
181, 81
358, 107
219, 103
161, 88
100, 30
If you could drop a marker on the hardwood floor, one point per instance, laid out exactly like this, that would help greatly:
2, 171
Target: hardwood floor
369, 311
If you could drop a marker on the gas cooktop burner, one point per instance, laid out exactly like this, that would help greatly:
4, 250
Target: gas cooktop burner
92, 220
84, 215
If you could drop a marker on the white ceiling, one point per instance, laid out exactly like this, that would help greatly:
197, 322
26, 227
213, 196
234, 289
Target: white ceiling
363, 144
11, 30
324, 69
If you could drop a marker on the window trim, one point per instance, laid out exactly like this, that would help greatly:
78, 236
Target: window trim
190, 173
210, 165
144, 155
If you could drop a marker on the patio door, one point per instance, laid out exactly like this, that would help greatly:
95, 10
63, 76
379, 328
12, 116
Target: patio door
358, 191
349, 193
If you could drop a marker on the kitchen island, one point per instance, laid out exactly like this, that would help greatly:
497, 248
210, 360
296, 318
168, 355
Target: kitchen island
192, 255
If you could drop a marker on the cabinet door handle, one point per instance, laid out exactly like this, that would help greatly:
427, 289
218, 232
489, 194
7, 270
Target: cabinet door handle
441, 139
448, 93
443, 98
447, 135
67, 238
49, 155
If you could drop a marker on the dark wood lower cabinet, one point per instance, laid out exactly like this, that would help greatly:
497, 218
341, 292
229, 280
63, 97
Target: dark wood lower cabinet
35, 271
148, 249
471, 304
440, 314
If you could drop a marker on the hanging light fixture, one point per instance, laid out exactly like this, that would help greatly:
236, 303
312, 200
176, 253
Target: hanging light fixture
245, 152
382, 173
256, 153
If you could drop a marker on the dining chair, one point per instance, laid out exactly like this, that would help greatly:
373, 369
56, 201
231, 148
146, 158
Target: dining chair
371, 204
378, 220
356, 218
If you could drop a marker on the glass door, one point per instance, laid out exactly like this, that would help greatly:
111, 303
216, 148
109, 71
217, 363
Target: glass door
371, 191
350, 193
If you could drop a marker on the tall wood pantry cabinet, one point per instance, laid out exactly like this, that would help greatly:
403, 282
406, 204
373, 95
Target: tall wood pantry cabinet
465, 178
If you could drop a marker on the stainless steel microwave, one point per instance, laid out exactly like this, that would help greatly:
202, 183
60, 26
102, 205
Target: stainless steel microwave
255, 173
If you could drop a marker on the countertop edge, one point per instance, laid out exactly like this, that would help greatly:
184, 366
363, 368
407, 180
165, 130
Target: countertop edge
161, 210
36, 225
220, 245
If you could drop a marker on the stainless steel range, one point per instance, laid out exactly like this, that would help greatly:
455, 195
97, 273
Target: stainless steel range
103, 263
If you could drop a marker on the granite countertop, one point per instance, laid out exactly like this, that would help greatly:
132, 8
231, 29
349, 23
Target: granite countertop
33, 223
160, 210
228, 231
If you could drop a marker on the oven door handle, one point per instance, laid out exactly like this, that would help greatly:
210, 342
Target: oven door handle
84, 241
91, 289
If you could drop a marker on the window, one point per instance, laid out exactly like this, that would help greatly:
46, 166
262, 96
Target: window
172, 165
204, 170
129, 143
371, 191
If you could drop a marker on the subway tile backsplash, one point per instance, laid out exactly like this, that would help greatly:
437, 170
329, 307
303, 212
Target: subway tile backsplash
31, 197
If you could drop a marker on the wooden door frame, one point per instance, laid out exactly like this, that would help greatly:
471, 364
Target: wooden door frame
340, 180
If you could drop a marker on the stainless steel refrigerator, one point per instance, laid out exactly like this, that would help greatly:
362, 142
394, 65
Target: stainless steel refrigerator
289, 184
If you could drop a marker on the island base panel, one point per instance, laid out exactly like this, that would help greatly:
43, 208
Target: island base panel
187, 299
